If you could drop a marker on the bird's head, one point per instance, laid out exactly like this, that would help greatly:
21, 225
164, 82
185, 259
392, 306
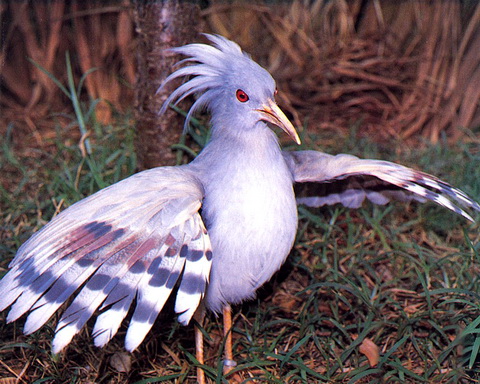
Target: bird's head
235, 89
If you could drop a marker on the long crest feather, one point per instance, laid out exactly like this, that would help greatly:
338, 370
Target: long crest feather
209, 66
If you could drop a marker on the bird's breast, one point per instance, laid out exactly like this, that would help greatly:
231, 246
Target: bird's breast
251, 216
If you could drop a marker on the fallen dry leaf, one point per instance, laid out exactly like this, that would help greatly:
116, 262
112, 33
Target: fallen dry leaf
371, 351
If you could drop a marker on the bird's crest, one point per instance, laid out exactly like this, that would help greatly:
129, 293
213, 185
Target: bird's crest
212, 66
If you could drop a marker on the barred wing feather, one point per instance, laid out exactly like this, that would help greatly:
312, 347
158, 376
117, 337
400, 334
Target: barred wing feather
132, 240
323, 179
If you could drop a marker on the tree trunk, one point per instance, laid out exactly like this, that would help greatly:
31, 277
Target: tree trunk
159, 25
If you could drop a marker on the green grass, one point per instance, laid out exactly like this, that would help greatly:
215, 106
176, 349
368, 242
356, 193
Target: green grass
403, 276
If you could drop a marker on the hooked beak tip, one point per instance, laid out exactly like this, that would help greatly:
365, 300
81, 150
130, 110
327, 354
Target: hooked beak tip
272, 113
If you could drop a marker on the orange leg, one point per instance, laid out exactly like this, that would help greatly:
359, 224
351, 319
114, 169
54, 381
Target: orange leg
199, 354
228, 363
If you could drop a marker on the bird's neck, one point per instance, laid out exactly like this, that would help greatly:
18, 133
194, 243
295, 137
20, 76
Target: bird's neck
258, 147
236, 166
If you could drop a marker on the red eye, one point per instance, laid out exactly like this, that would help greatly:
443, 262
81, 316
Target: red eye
242, 96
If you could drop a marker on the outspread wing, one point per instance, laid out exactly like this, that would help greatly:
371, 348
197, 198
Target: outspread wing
133, 240
323, 179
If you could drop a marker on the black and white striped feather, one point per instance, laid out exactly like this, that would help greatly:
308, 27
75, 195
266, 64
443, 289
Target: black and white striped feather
323, 179
133, 240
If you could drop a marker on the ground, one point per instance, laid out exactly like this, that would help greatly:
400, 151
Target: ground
400, 278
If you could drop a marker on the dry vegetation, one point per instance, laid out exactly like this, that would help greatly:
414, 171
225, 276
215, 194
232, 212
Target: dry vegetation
405, 69
402, 280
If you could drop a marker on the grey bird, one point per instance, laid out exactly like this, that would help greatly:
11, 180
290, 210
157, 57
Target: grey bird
212, 231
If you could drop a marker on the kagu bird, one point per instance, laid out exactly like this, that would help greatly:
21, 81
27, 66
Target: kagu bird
212, 231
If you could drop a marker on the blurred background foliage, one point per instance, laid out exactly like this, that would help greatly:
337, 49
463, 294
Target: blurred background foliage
403, 69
